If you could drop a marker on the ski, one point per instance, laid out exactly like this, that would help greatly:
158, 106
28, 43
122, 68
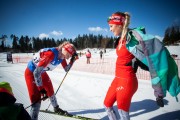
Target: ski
68, 115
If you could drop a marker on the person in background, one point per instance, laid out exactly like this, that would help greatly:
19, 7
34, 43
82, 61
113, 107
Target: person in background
37, 80
9, 57
101, 54
104, 50
88, 56
131, 49
80, 53
9, 110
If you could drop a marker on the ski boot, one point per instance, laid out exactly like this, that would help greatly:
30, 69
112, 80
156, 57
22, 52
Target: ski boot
159, 101
61, 112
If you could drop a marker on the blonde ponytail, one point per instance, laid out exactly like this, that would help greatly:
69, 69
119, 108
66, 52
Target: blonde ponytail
125, 28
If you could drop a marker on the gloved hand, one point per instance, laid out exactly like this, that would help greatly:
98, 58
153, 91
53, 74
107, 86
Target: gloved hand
67, 68
159, 101
73, 58
43, 94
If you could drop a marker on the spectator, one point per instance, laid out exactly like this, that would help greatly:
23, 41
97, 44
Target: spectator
88, 56
9, 110
101, 54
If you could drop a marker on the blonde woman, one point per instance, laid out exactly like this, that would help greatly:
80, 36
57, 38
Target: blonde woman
124, 84
37, 80
136, 48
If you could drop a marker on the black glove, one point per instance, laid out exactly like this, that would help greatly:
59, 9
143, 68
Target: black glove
43, 94
159, 101
74, 57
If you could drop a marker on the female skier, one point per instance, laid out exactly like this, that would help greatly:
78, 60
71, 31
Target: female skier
37, 80
125, 82
136, 44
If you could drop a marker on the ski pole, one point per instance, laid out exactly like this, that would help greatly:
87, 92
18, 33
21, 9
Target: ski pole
44, 97
36, 102
58, 88
61, 82
74, 57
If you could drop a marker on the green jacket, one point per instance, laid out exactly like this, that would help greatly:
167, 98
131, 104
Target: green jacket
10, 112
150, 50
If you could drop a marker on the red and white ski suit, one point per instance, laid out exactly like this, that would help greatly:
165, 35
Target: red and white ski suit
125, 82
46, 58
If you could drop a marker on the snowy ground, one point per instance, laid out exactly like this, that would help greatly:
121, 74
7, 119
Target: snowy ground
82, 93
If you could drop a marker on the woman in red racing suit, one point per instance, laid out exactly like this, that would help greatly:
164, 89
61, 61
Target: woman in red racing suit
37, 80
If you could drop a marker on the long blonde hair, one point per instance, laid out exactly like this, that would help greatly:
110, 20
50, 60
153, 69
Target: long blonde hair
125, 27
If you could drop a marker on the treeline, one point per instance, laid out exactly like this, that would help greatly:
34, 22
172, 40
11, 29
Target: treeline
27, 44
172, 35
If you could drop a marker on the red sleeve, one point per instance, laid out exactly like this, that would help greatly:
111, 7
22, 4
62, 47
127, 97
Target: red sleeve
64, 63
46, 58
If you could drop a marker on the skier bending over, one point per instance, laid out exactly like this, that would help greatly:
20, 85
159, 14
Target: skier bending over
37, 80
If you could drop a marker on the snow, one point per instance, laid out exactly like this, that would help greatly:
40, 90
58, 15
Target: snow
174, 50
82, 93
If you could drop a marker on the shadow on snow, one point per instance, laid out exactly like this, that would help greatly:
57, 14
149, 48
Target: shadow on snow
139, 108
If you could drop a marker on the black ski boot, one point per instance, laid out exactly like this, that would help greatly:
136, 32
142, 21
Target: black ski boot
61, 112
159, 101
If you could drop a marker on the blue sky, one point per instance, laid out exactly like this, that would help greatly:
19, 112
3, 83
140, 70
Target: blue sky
68, 18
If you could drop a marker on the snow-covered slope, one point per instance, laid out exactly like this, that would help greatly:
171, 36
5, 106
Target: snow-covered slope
83, 93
